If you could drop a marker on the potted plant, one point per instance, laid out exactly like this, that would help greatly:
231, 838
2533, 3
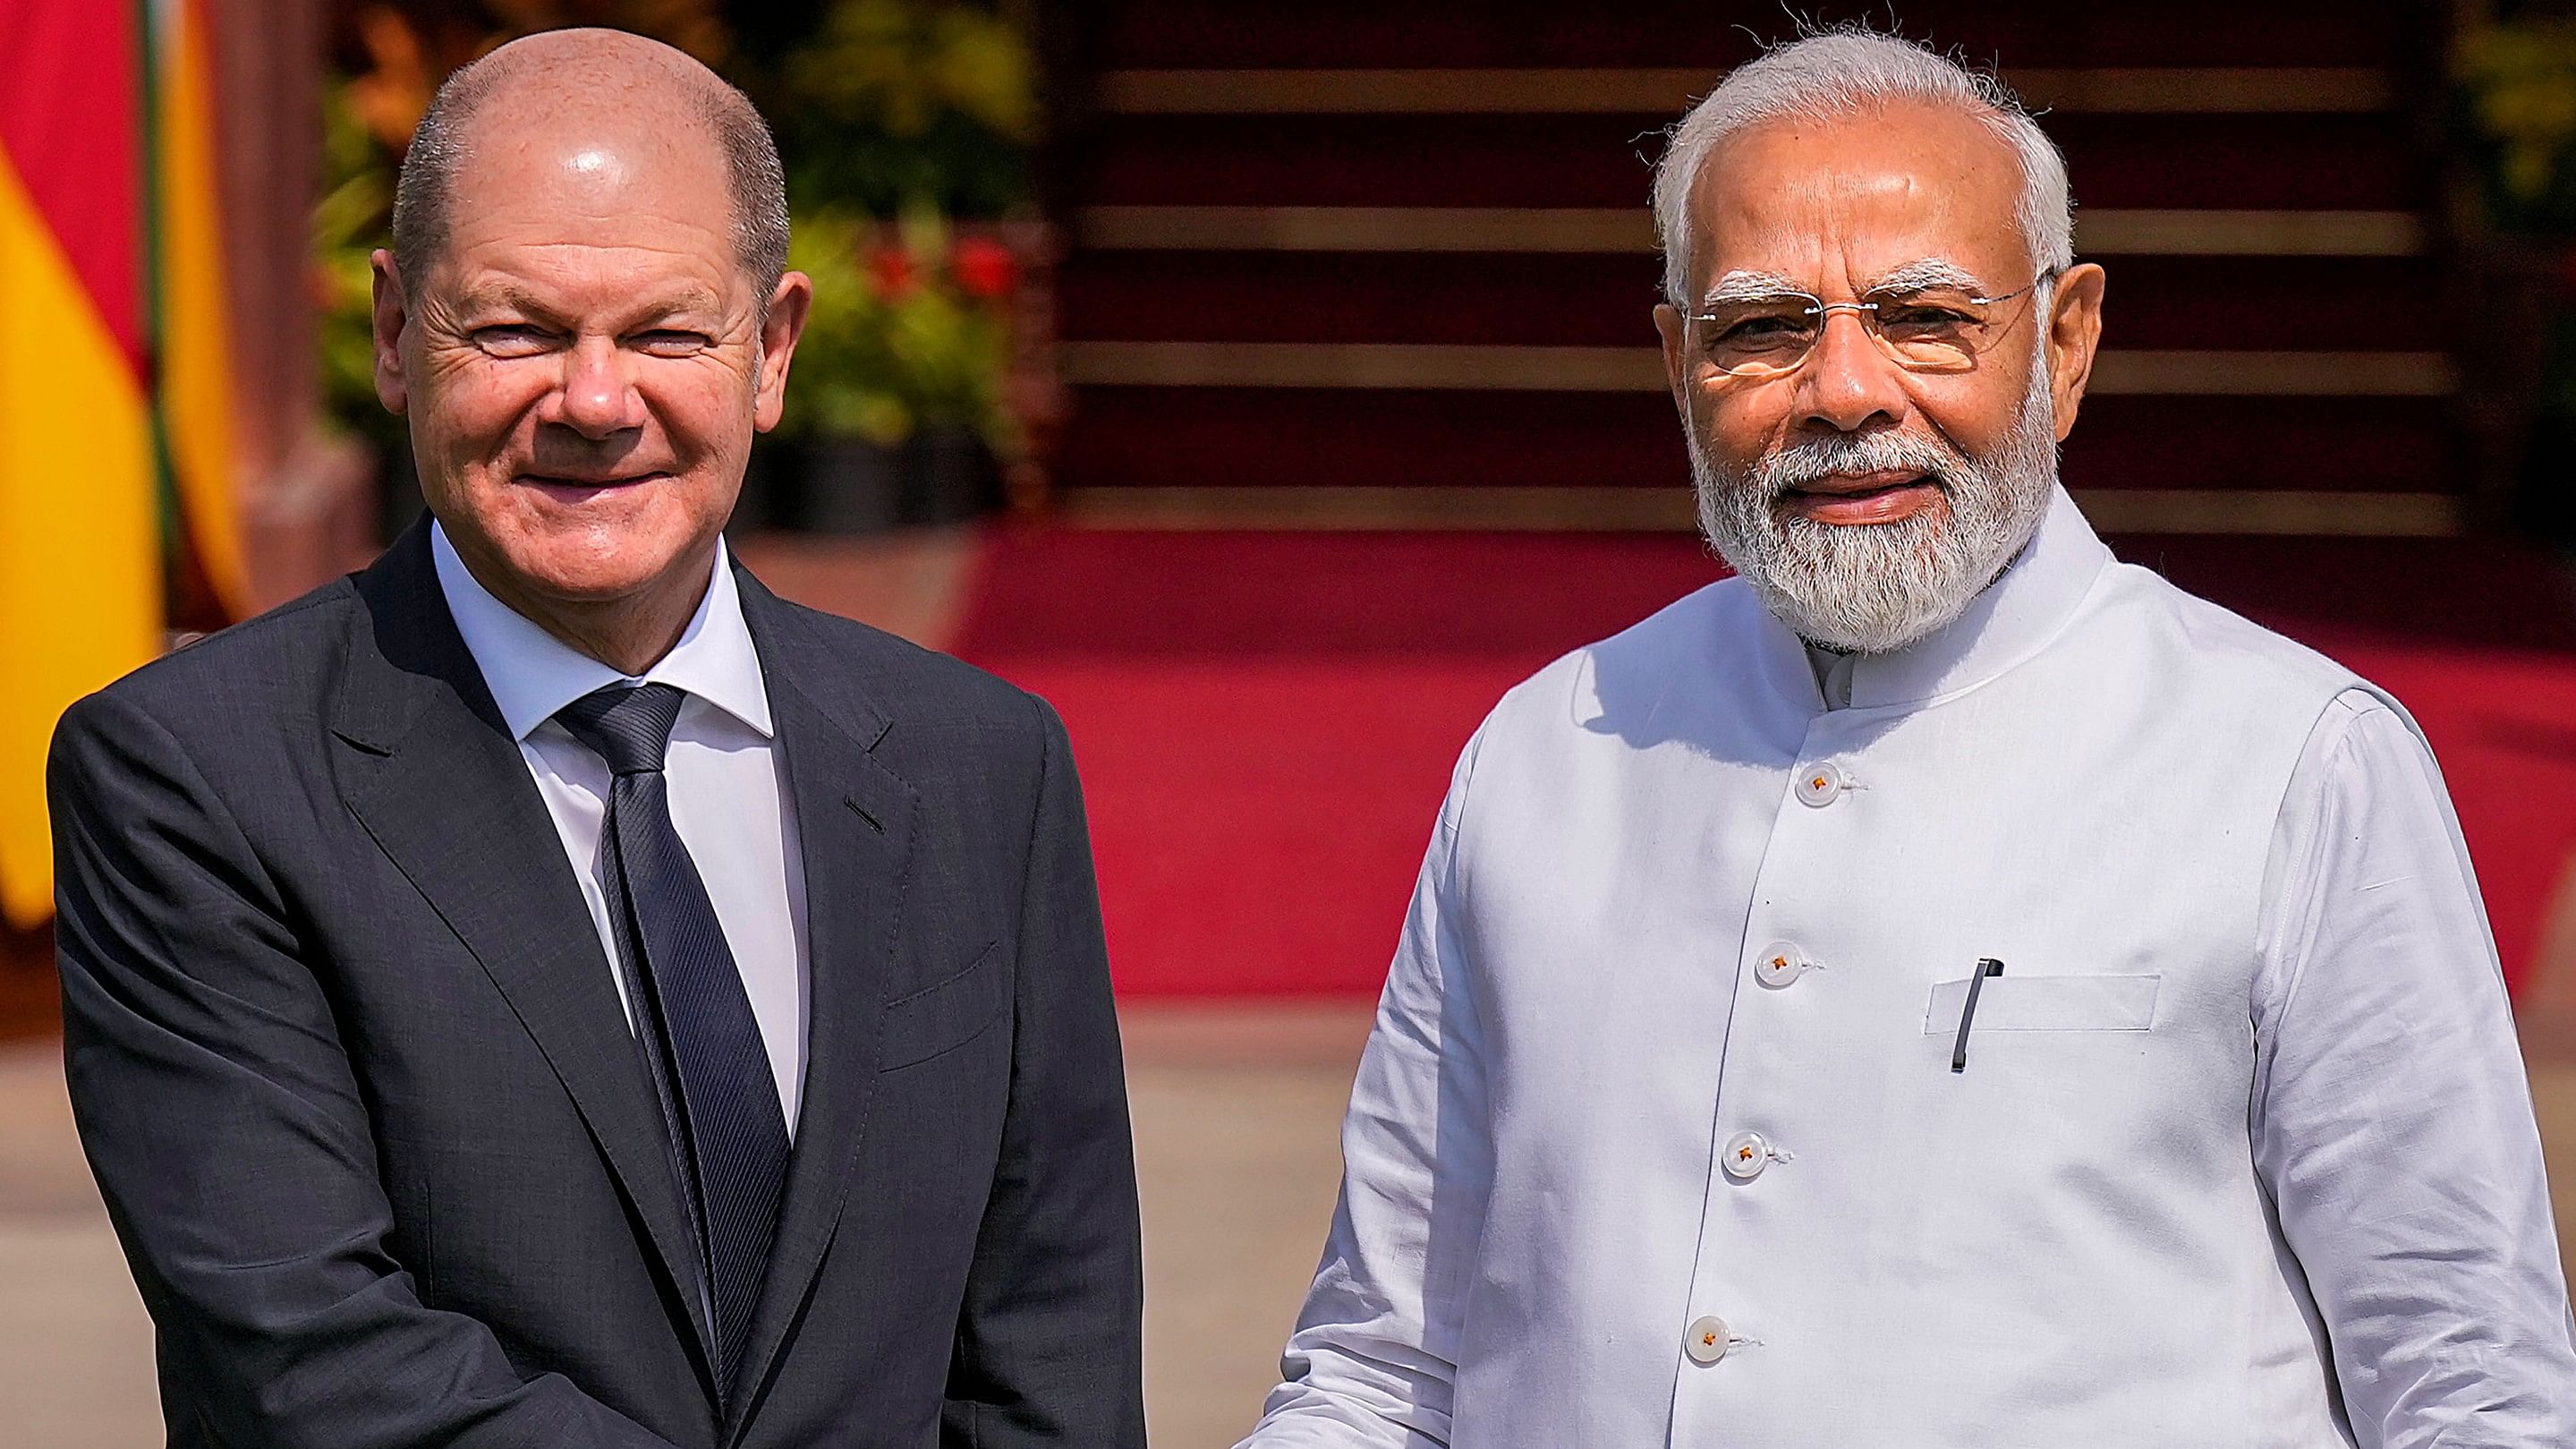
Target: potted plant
904, 126
895, 407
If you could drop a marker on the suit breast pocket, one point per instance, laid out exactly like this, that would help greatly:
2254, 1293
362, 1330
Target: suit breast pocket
947, 1014
2045, 1003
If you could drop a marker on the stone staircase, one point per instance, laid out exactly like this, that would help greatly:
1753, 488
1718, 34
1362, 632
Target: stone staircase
1361, 265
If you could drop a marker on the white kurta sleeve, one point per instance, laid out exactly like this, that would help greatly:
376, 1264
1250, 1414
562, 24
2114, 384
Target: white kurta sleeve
1373, 1359
2392, 1122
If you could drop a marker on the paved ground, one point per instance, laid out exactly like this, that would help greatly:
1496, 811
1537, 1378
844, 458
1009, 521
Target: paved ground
1235, 1120
75, 1348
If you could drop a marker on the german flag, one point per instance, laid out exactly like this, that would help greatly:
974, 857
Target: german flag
193, 395
115, 398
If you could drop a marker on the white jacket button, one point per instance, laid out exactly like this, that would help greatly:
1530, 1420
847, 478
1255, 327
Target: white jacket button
1819, 783
1780, 963
1706, 1342
1745, 1155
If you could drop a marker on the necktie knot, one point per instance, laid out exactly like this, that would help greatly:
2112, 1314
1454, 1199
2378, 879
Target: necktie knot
630, 728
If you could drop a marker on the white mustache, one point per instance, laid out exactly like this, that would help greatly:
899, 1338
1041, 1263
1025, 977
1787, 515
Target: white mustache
1844, 454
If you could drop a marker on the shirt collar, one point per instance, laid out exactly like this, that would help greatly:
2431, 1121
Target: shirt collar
2013, 619
532, 674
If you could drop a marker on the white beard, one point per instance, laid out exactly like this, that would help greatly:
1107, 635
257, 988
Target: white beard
1877, 587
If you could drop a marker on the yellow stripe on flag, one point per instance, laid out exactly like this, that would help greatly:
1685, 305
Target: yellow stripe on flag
80, 571
195, 323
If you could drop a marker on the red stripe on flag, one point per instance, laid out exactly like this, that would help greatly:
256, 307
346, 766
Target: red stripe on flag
70, 112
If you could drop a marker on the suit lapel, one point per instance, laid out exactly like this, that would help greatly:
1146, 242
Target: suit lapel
855, 821
429, 769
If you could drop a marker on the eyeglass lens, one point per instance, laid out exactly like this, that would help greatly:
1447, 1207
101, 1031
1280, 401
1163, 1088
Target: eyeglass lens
1932, 331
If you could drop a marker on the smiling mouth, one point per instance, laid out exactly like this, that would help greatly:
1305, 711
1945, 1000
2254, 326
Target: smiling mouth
1864, 485
577, 482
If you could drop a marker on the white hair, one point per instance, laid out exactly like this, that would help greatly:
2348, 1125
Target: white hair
1844, 72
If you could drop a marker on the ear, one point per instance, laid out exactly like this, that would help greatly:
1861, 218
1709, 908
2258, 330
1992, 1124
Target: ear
2072, 330
391, 312
789, 306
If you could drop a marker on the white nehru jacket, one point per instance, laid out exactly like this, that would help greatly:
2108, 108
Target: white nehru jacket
1657, 1139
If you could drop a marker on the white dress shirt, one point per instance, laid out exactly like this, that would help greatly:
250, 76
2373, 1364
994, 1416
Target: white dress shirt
727, 791
1656, 1140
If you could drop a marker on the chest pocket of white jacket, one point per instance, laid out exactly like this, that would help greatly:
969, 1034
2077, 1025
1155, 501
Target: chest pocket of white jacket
2045, 1003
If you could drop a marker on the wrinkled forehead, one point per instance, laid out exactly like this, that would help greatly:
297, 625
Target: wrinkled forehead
1844, 206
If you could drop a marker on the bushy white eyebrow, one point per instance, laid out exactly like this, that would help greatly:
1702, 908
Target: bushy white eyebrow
1927, 273
1746, 284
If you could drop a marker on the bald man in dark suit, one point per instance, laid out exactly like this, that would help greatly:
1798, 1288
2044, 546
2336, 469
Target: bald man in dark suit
544, 990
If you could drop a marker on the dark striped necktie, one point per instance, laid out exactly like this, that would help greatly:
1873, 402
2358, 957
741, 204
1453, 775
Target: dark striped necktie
694, 1025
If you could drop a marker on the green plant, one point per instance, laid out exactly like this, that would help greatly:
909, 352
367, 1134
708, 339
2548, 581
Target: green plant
895, 118
891, 106
349, 223
2518, 84
910, 329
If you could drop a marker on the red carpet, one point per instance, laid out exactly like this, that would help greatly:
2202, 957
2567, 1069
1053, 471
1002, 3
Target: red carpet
1266, 722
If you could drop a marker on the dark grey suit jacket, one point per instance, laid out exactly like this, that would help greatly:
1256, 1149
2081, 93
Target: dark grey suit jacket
352, 1072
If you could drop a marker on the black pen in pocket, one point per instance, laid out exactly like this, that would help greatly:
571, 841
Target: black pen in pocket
1968, 1013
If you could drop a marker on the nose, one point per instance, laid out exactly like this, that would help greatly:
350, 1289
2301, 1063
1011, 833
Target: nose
597, 399
1848, 382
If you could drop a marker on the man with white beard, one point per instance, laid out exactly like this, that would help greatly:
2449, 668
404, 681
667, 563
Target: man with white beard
1941, 987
